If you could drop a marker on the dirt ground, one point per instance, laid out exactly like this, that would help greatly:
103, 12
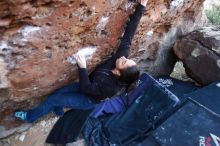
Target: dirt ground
36, 135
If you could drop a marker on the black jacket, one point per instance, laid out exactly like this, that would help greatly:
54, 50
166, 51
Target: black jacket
102, 83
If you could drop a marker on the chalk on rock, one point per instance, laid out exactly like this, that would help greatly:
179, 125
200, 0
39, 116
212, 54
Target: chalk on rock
150, 33
71, 60
87, 52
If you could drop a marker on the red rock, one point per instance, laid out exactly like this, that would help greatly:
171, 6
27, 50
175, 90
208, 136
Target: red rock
38, 36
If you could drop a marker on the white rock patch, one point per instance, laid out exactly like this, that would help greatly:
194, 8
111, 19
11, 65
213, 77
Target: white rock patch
150, 33
4, 83
4, 49
128, 5
195, 52
27, 30
102, 23
113, 2
4, 45
216, 50
176, 3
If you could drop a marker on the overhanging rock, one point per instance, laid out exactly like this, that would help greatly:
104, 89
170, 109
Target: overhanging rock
38, 37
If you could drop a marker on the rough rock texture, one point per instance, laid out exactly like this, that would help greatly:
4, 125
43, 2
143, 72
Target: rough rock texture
200, 53
37, 37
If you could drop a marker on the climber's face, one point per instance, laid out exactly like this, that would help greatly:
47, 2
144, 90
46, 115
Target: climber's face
123, 63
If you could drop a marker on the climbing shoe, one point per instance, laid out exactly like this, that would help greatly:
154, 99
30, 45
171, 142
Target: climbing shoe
21, 115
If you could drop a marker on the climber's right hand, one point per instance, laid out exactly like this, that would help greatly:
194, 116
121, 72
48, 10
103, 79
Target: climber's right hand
80, 60
144, 2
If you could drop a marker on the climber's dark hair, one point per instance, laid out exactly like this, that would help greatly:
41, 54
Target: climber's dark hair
129, 75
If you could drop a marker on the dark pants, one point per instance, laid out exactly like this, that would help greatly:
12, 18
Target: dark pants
68, 96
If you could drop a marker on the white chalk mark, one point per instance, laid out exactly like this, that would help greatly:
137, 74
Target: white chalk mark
87, 52
4, 45
27, 30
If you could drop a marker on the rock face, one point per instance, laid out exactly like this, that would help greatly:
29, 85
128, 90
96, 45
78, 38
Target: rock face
200, 53
37, 37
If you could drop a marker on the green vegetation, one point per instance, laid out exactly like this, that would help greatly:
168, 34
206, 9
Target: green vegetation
214, 15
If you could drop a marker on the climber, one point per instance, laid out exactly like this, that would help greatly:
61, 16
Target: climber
110, 77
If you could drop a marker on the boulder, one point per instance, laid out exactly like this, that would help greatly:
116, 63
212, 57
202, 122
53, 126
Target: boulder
200, 53
37, 37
